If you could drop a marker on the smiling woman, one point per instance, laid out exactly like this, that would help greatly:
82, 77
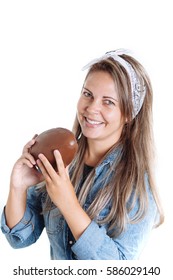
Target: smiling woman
99, 113
105, 204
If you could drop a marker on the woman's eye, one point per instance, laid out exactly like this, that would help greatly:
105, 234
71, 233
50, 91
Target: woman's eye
109, 102
87, 94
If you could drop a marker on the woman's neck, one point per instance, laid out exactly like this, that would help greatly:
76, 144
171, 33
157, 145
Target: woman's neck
95, 152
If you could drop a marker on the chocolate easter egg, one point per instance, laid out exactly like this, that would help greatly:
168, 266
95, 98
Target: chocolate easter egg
58, 138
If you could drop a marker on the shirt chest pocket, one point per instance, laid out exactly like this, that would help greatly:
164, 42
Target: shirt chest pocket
54, 221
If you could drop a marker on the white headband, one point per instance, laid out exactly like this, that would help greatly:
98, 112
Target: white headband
138, 89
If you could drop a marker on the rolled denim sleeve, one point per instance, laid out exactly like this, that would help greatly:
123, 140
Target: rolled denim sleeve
28, 230
95, 244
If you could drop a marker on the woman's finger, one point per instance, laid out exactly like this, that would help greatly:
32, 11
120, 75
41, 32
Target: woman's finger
34, 136
67, 171
43, 170
46, 168
26, 162
29, 157
60, 163
29, 144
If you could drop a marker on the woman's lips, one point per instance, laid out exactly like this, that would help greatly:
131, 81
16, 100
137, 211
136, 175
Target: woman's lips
93, 123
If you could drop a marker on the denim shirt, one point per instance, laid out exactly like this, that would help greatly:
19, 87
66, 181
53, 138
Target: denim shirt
94, 243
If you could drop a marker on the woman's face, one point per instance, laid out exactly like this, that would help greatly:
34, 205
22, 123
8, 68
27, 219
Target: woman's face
98, 109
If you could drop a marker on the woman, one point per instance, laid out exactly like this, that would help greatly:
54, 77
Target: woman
106, 205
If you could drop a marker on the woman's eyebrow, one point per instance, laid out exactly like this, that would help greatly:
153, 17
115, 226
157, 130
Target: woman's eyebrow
109, 97
88, 90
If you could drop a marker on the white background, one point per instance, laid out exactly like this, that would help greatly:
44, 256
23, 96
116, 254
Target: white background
43, 46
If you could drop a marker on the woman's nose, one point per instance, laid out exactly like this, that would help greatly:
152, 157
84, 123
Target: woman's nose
94, 106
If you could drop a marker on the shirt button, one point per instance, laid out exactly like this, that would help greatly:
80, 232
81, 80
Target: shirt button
70, 242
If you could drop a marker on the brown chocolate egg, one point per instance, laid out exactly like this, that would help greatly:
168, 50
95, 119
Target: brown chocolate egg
59, 138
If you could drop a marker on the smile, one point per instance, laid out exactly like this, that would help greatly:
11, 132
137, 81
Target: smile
93, 122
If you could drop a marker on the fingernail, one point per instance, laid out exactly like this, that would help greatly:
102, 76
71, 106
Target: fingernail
37, 168
40, 155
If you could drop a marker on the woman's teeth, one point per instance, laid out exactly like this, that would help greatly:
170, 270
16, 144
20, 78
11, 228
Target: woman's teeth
92, 122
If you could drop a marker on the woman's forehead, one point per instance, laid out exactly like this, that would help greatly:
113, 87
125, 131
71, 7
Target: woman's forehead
100, 81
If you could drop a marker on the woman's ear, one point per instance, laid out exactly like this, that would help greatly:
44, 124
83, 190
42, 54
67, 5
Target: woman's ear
126, 120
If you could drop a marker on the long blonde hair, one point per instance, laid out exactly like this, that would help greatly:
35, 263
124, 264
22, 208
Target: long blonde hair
135, 160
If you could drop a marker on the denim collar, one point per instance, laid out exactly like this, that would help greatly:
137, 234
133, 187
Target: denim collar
109, 159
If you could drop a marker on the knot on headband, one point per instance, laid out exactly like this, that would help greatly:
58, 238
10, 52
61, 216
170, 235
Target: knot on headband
138, 88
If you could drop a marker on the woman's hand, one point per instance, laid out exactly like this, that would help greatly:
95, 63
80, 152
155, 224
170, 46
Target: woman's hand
24, 173
62, 194
58, 184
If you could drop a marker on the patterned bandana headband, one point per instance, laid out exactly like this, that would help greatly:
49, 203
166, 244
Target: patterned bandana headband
138, 89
